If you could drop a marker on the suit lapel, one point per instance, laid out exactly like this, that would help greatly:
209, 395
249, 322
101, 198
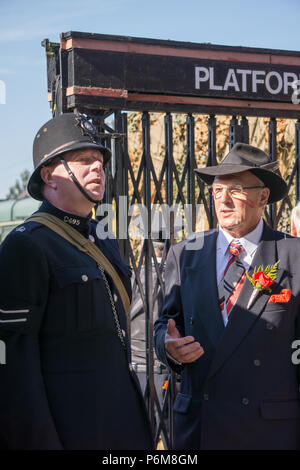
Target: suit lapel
200, 275
241, 319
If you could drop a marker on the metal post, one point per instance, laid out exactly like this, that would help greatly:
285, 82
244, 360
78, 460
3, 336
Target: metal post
190, 137
110, 169
121, 158
211, 160
61, 101
169, 172
150, 396
169, 201
118, 186
272, 154
233, 132
244, 127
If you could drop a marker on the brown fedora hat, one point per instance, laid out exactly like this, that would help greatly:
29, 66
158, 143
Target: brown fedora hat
244, 157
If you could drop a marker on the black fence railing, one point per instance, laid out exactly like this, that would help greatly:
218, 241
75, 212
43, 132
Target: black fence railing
106, 77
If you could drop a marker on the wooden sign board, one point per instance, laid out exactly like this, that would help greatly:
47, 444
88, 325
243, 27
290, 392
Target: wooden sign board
146, 74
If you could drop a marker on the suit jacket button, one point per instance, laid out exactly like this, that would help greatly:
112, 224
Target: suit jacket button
270, 326
115, 298
205, 396
257, 362
84, 277
245, 401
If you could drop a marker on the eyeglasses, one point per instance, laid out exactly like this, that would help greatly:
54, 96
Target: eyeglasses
234, 191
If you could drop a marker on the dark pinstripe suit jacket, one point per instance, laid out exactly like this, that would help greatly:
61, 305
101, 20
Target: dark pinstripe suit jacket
243, 393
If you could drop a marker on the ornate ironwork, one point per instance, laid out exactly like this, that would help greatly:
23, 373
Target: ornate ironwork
169, 186
129, 184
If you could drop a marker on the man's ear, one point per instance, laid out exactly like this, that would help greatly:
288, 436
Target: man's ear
265, 193
46, 175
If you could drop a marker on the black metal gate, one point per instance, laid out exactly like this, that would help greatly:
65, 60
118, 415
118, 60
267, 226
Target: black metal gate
105, 77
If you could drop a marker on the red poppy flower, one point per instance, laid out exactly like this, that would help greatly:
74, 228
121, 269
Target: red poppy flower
262, 280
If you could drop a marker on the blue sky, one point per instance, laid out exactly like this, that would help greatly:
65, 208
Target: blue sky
24, 24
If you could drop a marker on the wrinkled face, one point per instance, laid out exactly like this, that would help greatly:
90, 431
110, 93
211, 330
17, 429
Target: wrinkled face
239, 212
87, 167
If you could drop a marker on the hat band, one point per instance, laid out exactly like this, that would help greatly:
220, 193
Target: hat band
266, 166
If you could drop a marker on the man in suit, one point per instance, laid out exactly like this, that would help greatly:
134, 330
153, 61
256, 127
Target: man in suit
67, 382
231, 315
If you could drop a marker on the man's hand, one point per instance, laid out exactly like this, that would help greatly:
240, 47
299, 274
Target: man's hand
183, 349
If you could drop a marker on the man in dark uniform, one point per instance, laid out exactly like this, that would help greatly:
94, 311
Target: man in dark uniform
66, 376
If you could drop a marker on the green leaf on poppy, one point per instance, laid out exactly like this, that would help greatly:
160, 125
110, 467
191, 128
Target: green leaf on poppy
272, 272
250, 278
267, 269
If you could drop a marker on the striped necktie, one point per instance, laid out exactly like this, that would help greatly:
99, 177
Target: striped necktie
233, 278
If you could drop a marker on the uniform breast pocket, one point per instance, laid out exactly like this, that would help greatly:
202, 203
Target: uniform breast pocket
80, 297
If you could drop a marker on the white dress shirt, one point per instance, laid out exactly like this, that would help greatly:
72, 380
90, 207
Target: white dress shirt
249, 243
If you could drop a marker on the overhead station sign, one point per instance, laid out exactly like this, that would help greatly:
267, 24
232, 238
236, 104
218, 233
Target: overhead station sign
257, 83
146, 74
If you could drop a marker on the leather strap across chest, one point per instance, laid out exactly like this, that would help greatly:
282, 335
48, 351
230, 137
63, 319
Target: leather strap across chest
86, 246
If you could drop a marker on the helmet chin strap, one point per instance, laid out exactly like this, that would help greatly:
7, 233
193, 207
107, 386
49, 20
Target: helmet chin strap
75, 181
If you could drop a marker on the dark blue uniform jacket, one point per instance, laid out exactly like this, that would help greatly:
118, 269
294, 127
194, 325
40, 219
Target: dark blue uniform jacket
65, 379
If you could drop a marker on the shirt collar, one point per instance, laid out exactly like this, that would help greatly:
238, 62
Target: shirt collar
249, 242
79, 223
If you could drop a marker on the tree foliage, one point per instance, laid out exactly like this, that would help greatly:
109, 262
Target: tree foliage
19, 189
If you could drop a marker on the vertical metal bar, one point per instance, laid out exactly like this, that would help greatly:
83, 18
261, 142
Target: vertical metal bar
233, 132
110, 168
121, 189
116, 144
61, 101
297, 157
244, 130
125, 176
211, 160
169, 201
190, 137
272, 155
121, 177
150, 396
169, 171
